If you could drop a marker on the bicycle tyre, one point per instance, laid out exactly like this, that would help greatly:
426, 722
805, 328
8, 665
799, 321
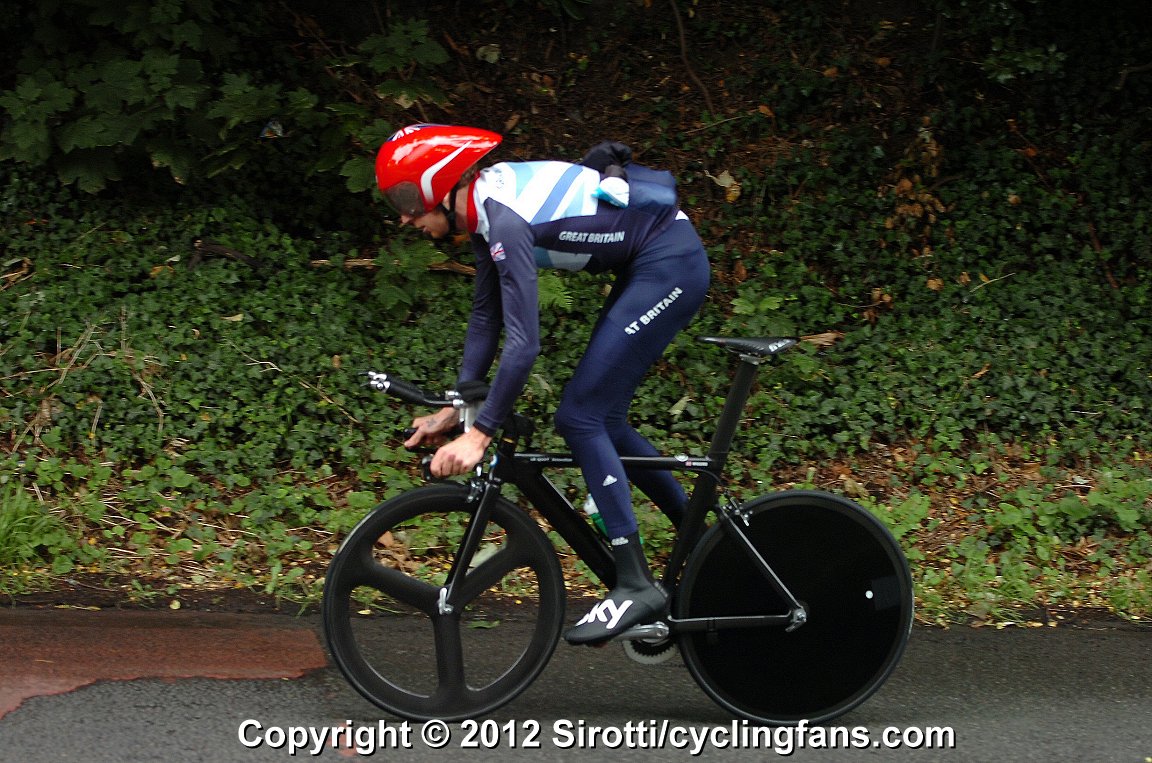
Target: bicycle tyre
485, 652
839, 561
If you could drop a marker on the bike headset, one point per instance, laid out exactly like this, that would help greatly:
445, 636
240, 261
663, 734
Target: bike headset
422, 164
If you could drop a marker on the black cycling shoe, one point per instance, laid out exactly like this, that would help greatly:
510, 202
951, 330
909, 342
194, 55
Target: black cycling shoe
635, 600
616, 613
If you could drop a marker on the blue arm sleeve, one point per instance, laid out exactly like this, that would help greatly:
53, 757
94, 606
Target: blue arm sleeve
511, 255
486, 321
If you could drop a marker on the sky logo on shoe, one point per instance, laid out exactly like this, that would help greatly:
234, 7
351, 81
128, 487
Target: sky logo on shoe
606, 612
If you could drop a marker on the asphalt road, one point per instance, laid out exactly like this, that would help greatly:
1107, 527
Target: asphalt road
1050, 694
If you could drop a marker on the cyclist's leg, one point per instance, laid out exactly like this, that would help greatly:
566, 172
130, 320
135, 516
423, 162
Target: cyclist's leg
661, 487
581, 419
649, 306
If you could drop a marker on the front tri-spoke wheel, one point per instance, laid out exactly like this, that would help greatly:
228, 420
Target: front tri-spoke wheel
417, 656
847, 571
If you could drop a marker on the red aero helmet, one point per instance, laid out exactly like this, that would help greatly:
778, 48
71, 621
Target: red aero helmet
419, 165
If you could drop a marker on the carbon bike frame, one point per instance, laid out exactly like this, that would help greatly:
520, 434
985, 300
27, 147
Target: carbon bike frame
525, 470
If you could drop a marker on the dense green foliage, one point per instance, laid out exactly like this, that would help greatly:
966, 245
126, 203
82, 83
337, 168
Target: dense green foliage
954, 197
101, 89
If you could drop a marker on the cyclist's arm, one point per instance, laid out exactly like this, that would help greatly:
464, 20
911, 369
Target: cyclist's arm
480, 343
511, 256
486, 320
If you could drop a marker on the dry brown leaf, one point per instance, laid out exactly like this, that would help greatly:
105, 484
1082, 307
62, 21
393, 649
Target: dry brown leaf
827, 339
739, 272
852, 487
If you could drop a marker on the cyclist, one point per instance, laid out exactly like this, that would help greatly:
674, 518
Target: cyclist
604, 214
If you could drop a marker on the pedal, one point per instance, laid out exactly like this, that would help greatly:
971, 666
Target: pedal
656, 631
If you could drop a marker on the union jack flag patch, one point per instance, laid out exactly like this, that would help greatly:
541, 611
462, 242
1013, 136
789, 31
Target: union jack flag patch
497, 251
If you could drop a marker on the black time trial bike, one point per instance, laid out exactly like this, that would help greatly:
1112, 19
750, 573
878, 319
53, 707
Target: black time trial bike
792, 606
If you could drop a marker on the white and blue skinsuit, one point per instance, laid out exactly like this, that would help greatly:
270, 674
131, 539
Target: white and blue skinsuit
524, 216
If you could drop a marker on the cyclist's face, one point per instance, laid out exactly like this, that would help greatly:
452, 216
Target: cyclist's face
434, 223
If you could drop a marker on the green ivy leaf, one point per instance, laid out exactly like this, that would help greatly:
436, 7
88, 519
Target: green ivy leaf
360, 173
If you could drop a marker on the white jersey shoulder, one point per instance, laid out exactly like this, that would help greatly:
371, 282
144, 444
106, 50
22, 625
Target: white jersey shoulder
537, 191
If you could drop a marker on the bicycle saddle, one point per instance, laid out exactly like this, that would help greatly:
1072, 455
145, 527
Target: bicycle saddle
761, 347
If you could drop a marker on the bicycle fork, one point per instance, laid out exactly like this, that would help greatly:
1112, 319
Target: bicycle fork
482, 491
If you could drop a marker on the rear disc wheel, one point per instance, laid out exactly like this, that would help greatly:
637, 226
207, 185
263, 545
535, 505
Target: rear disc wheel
847, 570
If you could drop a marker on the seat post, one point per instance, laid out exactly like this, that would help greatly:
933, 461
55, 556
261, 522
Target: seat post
703, 495
733, 408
